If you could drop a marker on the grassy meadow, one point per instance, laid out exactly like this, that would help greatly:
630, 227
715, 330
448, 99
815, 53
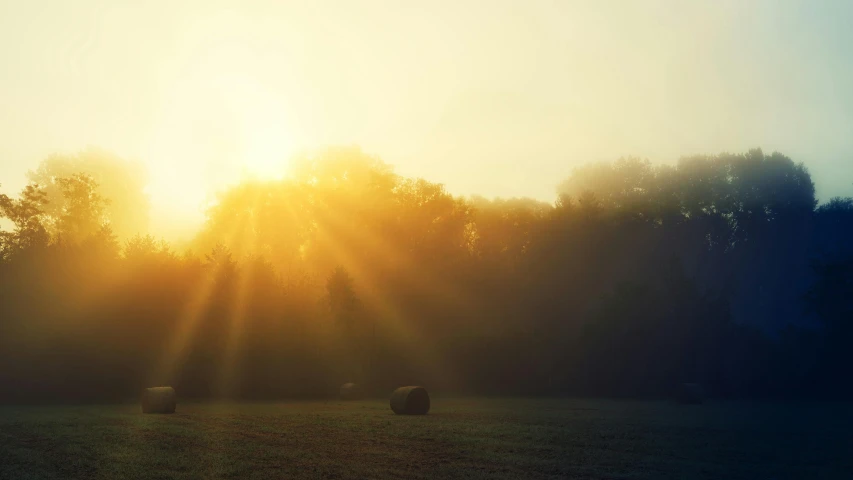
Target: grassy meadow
460, 438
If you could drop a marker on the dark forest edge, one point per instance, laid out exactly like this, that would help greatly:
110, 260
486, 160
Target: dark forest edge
721, 270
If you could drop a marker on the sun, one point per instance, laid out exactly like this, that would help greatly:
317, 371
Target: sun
265, 135
219, 125
266, 147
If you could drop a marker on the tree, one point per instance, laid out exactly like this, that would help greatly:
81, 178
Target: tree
356, 344
27, 215
121, 181
341, 298
831, 298
221, 264
83, 209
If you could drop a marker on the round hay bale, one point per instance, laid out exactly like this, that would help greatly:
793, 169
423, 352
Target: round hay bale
158, 400
690, 394
351, 391
410, 401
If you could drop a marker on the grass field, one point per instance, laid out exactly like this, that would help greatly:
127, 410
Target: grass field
460, 438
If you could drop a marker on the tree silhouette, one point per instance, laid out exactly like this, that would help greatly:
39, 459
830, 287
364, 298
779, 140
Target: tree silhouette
82, 211
302, 282
119, 180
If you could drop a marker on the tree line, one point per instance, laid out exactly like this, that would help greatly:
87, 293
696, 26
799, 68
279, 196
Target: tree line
722, 270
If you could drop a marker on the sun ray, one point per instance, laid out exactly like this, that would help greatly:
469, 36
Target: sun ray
187, 322
229, 379
341, 240
391, 313
390, 255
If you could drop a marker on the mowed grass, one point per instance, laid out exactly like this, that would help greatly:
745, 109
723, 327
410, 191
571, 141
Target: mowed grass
460, 438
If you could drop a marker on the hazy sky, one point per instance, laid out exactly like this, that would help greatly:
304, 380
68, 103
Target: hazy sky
488, 97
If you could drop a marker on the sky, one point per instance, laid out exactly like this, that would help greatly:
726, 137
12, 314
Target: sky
498, 98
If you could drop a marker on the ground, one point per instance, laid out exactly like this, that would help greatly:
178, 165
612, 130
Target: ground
460, 438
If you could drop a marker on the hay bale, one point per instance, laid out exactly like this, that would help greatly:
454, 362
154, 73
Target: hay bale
351, 391
410, 401
690, 394
158, 400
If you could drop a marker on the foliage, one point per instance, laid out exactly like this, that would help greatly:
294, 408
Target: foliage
719, 269
121, 181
